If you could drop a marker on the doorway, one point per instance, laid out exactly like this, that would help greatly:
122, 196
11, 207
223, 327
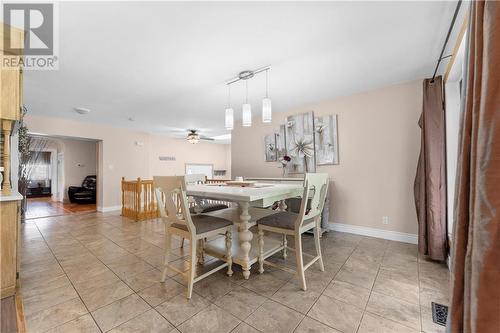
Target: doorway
61, 176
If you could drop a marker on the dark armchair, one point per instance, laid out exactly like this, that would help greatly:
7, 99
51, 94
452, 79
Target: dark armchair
85, 193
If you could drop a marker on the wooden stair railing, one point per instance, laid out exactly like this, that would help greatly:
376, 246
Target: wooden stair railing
138, 199
139, 202
216, 181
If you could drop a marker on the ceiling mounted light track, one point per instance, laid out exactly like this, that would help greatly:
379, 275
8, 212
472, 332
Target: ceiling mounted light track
246, 107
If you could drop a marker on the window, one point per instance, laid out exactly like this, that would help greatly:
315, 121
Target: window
203, 169
40, 169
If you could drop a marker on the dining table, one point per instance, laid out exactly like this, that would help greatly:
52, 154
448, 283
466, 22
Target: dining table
249, 203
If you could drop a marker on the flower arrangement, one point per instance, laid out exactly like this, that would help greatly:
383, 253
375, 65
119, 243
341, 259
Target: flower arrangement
29, 153
284, 162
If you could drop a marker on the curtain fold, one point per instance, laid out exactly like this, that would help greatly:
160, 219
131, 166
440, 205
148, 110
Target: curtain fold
475, 277
430, 181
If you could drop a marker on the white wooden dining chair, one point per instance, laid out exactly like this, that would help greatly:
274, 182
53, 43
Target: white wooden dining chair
293, 224
202, 205
171, 191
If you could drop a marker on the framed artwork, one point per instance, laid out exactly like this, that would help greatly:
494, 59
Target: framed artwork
270, 148
326, 140
299, 138
281, 142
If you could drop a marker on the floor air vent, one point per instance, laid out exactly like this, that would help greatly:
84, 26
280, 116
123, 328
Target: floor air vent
439, 313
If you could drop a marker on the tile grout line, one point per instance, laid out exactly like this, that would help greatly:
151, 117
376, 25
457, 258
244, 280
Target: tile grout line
123, 280
152, 229
371, 290
321, 294
400, 299
419, 300
71, 282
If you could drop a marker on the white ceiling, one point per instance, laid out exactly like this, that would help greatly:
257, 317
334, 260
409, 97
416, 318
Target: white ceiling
165, 64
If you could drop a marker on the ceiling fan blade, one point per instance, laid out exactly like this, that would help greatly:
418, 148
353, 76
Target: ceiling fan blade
206, 138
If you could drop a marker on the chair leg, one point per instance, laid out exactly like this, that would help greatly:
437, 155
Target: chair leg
192, 270
300, 262
285, 242
317, 236
200, 251
168, 239
229, 256
261, 251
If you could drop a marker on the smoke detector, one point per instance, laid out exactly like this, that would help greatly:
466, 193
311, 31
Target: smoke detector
81, 110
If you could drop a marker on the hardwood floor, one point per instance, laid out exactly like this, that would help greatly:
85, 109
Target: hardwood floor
45, 207
8, 324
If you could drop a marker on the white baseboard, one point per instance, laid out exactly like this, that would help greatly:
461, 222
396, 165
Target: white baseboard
372, 232
109, 209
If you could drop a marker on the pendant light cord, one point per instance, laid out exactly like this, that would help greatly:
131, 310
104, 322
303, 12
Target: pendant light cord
267, 83
246, 98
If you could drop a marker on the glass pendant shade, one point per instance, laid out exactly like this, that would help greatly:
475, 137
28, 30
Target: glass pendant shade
247, 115
229, 119
266, 110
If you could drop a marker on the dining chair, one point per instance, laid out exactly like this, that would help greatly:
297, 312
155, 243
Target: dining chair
200, 206
295, 224
203, 205
170, 192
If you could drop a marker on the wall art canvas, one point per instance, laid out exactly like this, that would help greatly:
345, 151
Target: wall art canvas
281, 142
326, 140
270, 147
300, 143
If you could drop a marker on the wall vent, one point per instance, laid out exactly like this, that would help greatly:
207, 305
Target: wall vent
167, 158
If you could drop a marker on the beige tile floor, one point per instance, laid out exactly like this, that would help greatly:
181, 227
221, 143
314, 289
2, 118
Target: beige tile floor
99, 272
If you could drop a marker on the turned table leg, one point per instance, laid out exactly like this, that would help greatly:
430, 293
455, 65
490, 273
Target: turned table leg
245, 237
282, 206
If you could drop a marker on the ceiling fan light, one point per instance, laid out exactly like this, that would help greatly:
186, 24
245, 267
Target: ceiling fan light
247, 115
266, 110
193, 138
229, 119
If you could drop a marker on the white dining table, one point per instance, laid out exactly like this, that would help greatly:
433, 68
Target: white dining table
245, 215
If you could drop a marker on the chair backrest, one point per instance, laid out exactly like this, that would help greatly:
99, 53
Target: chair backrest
170, 192
195, 179
315, 189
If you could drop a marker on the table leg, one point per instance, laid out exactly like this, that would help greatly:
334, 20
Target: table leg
197, 207
245, 237
282, 206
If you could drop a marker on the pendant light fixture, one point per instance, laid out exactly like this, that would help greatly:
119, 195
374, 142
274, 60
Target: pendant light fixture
246, 107
266, 103
229, 111
247, 110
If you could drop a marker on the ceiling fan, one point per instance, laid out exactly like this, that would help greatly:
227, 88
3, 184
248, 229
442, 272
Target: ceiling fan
193, 137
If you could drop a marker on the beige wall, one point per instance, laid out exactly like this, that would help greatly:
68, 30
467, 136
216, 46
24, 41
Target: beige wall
130, 153
71, 161
185, 152
79, 160
379, 142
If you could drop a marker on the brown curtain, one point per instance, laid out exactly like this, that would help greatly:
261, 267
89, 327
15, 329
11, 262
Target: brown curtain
430, 181
475, 298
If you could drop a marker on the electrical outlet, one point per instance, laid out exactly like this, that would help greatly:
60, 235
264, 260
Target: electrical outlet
385, 219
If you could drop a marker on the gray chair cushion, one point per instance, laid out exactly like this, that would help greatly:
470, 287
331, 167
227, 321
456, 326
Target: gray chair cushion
208, 207
283, 220
204, 223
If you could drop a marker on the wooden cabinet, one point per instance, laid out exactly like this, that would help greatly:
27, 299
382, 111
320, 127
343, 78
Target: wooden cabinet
11, 94
8, 246
10, 75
